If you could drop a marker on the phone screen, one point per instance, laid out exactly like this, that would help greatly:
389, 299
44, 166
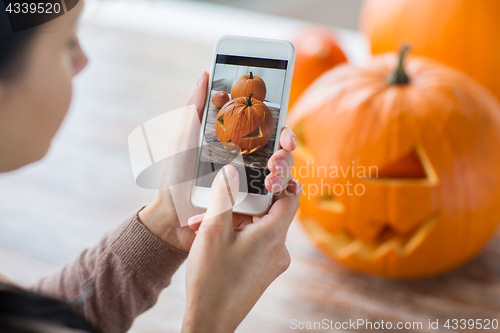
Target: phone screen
242, 131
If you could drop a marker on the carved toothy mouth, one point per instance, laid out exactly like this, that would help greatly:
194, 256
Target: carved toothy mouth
229, 145
343, 245
249, 151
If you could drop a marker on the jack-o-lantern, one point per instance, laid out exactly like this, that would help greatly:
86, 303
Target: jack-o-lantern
401, 172
244, 122
249, 84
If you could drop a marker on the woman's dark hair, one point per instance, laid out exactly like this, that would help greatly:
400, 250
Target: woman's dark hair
14, 45
13, 52
17, 29
23, 312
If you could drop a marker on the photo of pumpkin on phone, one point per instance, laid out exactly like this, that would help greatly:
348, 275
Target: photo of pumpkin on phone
243, 114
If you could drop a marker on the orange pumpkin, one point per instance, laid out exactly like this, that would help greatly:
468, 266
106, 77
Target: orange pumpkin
316, 52
460, 33
401, 172
244, 122
220, 98
249, 84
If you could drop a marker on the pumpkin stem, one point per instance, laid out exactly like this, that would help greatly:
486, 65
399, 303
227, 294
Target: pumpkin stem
249, 100
399, 77
250, 77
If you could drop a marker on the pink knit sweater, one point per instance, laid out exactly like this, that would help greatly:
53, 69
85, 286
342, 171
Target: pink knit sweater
127, 270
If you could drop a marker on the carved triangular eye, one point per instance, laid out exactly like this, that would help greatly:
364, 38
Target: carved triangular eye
409, 166
412, 168
220, 121
255, 134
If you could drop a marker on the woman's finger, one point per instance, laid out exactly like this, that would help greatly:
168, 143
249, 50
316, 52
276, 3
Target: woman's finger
280, 161
240, 221
277, 183
282, 212
294, 188
219, 215
200, 94
195, 221
288, 140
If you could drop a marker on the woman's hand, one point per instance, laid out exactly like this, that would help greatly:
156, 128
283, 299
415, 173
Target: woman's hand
161, 217
228, 269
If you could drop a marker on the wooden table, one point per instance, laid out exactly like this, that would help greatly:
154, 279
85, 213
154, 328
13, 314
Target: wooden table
52, 210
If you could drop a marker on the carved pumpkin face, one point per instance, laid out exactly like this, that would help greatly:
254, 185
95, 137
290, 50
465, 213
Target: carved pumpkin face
244, 122
418, 163
249, 84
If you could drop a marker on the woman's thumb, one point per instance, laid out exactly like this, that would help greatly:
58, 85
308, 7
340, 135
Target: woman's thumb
225, 187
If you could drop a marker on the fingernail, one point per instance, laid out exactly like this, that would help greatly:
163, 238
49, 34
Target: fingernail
294, 140
281, 165
276, 183
267, 181
192, 219
199, 79
230, 171
299, 185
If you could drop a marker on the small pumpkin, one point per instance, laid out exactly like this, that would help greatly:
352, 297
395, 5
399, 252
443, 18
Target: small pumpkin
244, 122
249, 84
316, 52
400, 168
220, 98
460, 33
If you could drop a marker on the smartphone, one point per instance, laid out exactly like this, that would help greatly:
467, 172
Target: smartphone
245, 112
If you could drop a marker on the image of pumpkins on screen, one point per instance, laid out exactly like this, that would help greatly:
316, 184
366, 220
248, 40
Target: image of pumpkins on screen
243, 113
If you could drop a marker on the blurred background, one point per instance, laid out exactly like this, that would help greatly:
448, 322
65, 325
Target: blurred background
338, 13
145, 58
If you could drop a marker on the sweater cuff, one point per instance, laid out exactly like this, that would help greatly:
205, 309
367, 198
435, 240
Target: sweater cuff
145, 253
